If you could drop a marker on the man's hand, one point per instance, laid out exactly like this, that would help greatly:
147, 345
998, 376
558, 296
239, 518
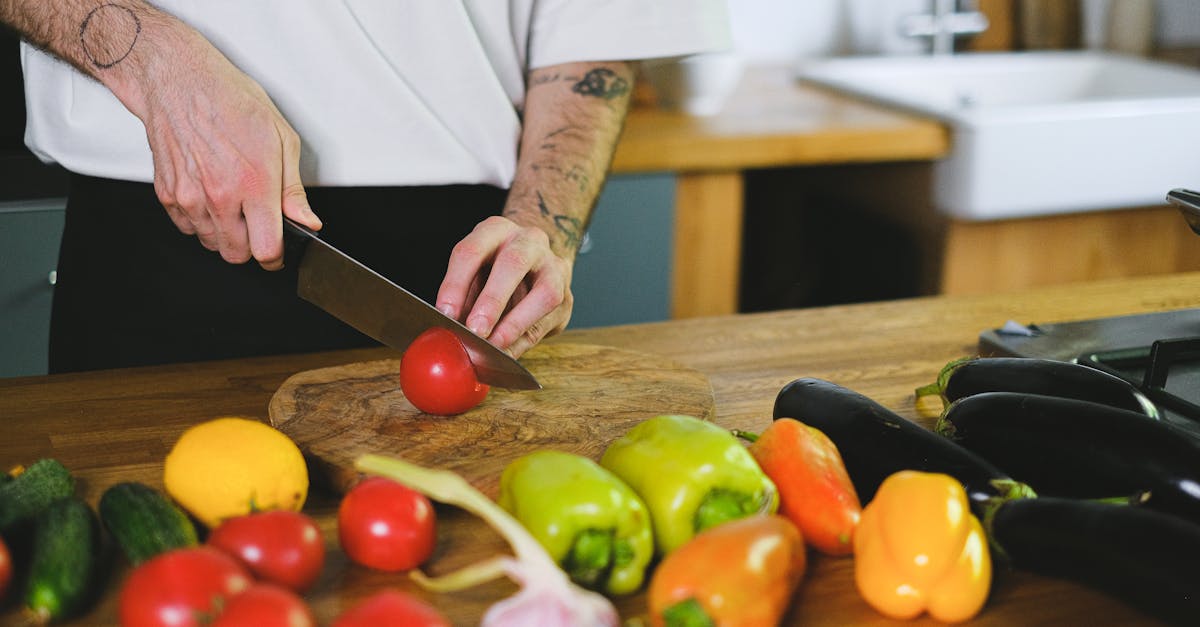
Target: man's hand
516, 289
226, 163
510, 279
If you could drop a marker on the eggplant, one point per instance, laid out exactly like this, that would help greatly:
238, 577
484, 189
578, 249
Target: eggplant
875, 442
967, 377
1072, 448
1146, 558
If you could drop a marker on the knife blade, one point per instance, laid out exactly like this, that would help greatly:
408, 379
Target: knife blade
1188, 203
377, 307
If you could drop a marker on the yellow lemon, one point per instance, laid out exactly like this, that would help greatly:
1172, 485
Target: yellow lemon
231, 466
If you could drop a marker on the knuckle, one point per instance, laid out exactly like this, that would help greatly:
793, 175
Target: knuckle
535, 236
234, 255
496, 222
164, 194
295, 191
516, 256
467, 249
489, 302
190, 199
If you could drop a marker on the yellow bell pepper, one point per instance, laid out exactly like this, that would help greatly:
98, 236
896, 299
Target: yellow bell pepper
918, 548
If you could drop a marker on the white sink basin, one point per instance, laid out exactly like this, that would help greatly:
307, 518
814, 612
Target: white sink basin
1040, 133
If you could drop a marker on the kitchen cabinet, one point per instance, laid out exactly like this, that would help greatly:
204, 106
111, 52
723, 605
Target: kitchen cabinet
29, 235
770, 121
622, 274
954, 256
873, 165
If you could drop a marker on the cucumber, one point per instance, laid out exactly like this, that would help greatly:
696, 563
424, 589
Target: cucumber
28, 493
967, 377
63, 564
1144, 557
144, 522
876, 442
1071, 448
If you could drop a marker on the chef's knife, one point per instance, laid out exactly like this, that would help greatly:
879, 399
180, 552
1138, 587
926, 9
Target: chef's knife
1189, 204
369, 302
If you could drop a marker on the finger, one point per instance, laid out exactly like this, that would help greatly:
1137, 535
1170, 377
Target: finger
535, 334
468, 261
472, 293
180, 220
262, 208
192, 204
164, 184
514, 261
225, 210
295, 199
544, 310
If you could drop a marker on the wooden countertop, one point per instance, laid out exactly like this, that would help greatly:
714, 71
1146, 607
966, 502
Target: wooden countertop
773, 119
118, 425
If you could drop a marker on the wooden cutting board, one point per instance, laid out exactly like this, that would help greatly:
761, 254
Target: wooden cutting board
591, 395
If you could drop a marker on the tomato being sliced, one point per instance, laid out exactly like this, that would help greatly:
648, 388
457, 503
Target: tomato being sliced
436, 374
279, 546
265, 605
391, 608
180, 587
386, 526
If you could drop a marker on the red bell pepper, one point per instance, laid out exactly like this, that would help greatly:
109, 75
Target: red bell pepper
815, 491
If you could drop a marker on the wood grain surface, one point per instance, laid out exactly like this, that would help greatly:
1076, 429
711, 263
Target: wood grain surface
773, 119
118, 425
591, 395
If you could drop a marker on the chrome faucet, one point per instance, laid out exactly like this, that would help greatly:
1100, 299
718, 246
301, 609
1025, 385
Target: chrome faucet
945, 23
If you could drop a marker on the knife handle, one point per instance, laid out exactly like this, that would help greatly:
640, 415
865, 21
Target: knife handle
295, 228
1188, 203
296, 237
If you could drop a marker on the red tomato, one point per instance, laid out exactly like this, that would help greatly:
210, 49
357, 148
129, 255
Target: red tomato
279, 546
391, 608
180, 587
386, 526
265, 605
5, 568
437, 376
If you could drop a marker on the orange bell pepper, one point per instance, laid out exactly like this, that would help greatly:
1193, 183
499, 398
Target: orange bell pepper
918, 548
740, 573
815, 491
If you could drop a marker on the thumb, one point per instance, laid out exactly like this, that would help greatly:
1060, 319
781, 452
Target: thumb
294, 202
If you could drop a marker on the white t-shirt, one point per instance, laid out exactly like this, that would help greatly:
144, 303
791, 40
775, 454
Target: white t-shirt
381, 92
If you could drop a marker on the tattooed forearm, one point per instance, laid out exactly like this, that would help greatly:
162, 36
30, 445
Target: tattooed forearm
108, 34
570, 228
602, 83
573, 116
575, 174
599, 82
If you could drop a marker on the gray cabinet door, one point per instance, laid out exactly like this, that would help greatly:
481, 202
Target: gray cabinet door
622, 275
29, 235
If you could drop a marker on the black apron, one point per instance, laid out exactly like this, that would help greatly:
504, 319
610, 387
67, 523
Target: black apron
132, 290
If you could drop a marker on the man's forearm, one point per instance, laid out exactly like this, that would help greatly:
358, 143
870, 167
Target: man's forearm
573, 118
113, 42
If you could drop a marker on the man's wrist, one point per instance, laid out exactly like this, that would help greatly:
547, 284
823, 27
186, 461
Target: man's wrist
136, 53
564, 230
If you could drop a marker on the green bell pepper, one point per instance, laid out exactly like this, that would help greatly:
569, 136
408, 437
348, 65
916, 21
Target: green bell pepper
587, 519
691, 474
